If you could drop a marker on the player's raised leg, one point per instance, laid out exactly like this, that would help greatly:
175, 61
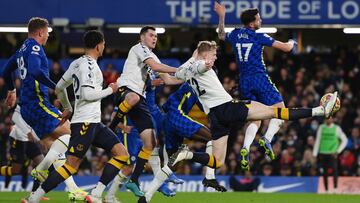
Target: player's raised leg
258, 111
124, 106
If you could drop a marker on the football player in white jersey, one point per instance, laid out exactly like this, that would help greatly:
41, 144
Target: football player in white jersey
139, 65
22, 147
222, 111
23, 144
86, 127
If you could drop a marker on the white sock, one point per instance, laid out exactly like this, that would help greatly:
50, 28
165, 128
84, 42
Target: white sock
250, 135
57, 149
37, 195
189, 155
210, 172
70, 183
158, 180
119, 180
166, 156
274, 127
98, 190
318, 111
154, 161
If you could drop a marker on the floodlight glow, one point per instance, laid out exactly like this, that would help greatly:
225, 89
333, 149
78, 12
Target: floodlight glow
352, 30
269, 30
17, 29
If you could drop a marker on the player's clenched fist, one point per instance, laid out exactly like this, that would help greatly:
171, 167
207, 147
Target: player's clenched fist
114, 87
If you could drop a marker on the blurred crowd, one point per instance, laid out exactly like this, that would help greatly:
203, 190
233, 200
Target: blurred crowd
301, 78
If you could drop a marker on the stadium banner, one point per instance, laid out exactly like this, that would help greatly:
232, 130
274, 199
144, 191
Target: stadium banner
183, 12
193, 184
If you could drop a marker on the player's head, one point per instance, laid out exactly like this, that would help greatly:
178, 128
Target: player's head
148, 36
38, 29
251, 18
207, 50
94, 40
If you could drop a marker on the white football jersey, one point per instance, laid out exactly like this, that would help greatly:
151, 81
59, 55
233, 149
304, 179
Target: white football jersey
205, 83
21, 128
136, 72
85, 73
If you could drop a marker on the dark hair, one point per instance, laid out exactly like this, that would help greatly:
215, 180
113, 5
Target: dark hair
146, 28
37, 23
204, 46
92, 38
248, 16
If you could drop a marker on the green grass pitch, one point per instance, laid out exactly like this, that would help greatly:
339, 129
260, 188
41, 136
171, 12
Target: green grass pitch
229, 197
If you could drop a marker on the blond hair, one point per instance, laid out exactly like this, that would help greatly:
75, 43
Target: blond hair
204, 46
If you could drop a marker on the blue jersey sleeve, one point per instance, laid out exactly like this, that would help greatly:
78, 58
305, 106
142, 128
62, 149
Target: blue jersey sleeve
34, 68
265, 39
8, 69
228, 36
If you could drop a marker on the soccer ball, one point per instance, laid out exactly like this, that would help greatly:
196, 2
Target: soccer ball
326, 98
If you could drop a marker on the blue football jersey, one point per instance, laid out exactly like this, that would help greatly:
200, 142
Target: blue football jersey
32, 63
248, 47
183, 99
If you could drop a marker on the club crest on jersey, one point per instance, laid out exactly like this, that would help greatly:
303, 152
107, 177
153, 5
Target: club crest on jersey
80, 147
36, 48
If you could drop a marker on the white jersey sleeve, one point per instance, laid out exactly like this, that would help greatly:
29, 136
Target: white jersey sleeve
190, 68
205, 83
60, 90
142, 52
342, 136
87, 83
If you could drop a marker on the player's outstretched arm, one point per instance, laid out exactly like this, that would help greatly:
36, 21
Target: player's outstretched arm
90, 94
159, 67
286, 47
61, 93
220, 10
9, 67
170, 80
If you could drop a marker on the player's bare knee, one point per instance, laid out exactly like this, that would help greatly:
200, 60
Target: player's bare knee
127, 170
119, 150
132, 98
73, 161
63, 129
257, 123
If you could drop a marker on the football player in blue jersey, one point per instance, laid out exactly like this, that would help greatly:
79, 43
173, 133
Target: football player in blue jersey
178, 125
255, 84
52, 127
